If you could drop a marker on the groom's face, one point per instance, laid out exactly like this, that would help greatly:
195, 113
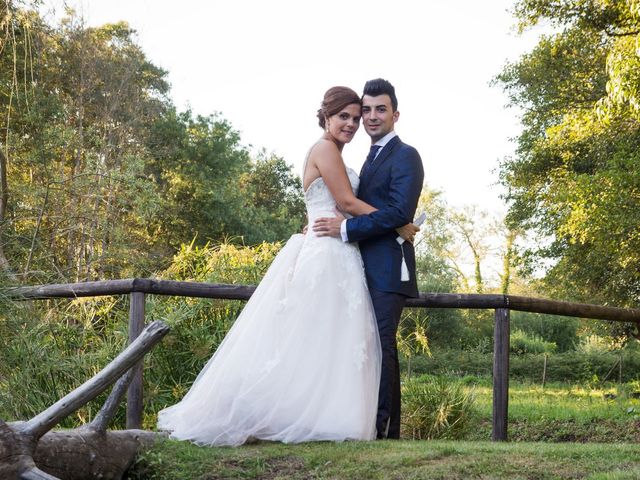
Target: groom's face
378, 116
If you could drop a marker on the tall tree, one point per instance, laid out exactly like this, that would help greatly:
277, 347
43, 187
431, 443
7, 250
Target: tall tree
79, 149
575, 179
16, 56
100, 176
274, 202
196, 164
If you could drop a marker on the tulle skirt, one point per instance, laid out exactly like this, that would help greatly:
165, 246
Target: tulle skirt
301, 362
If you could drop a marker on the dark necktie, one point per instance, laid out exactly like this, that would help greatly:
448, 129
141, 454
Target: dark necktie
369, 161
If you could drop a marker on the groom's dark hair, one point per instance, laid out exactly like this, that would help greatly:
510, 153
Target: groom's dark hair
380, 86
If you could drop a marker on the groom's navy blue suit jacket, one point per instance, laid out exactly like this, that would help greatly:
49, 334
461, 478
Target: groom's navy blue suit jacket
392, 184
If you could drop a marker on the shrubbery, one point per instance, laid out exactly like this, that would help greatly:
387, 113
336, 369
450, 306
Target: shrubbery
436, 408
48, 348
563, 331
522, 342
561, 367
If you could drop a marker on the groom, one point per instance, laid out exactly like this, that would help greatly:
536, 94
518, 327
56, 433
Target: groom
391, 181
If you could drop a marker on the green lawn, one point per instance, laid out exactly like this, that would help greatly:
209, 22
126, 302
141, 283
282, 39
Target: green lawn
562, 412
392, 460
561, 431
528, 402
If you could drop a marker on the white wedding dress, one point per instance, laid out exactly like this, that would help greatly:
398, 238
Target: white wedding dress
302, 360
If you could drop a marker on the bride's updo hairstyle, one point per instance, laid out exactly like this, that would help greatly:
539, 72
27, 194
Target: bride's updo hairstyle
334, 101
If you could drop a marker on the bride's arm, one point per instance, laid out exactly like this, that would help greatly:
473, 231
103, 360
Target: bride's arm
327, 159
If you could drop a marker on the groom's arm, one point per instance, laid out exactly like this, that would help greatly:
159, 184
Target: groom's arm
407, 176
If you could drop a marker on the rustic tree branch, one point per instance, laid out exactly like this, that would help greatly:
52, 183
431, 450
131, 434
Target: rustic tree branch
108, 410
45, 421
36, 474
84, 453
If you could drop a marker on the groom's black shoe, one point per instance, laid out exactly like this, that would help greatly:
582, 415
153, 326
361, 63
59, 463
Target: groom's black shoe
382, 430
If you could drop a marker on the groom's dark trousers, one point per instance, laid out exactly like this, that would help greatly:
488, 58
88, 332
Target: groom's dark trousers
391, 183
388, 307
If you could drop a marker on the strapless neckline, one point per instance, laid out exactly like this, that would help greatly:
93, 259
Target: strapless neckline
315, 180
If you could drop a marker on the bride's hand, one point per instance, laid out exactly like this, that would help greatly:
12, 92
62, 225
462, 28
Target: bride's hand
408, 231
329, 226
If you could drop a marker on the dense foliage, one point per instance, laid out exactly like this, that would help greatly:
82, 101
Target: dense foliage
100, 176
574, 182
585, 367
48, 348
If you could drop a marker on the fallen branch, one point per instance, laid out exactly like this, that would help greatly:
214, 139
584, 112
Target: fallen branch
108, 410
86, 452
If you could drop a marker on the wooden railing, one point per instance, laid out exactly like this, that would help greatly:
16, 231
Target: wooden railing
138, 288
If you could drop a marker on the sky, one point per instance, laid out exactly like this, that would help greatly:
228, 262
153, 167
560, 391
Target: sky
264, 65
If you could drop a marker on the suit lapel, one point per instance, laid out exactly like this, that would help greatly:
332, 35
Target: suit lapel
381, 158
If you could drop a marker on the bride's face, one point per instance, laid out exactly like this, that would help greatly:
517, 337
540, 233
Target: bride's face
343, 125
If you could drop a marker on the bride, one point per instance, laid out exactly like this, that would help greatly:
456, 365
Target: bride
302, 360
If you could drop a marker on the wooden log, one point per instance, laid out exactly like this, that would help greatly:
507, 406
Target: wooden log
143, 285
71, 290
45, 421
16, 460
201, 290
244, 292
135, 392
71, 455
36, 474
82, 454
570, 309
15, 456
109, 452
525, 304
458, 300
500, 375
105, 415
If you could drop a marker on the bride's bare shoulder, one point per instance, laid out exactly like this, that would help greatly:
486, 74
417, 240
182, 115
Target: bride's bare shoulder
323, 150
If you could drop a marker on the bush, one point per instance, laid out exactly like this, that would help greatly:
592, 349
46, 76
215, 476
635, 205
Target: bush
522, 342
451, 362
48, 348
569, 367
563, 331
435, 408
594, 344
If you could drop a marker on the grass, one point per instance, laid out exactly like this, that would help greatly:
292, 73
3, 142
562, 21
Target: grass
436, 408
565, 402
561, 431
401, 460
562, 412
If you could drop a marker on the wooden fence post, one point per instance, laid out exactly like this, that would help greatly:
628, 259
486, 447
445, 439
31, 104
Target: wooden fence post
500, 375
134, 393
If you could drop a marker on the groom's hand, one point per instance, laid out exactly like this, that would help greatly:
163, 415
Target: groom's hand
328, 226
